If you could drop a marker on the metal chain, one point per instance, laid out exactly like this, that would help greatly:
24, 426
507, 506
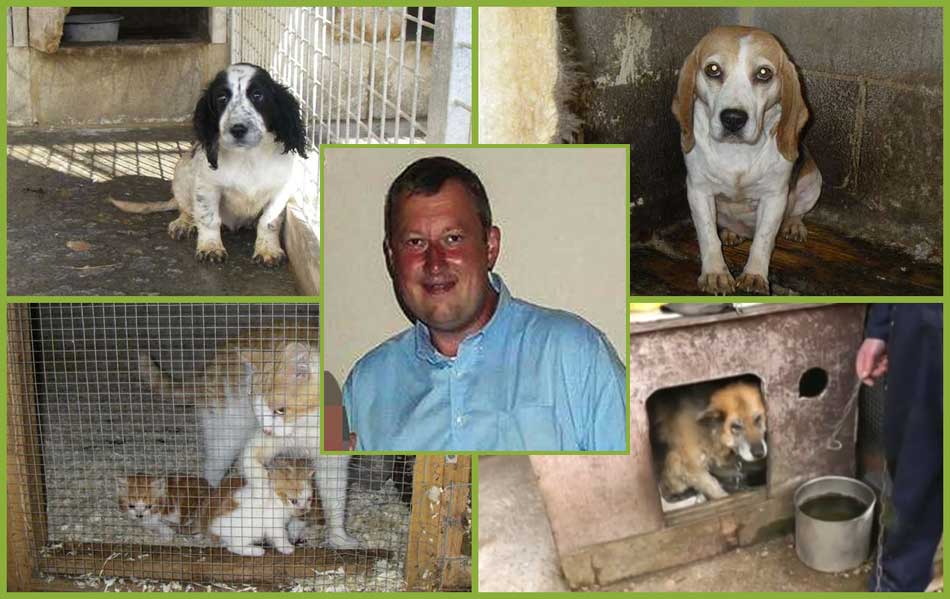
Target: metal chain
833, 443
878, 567
878, 561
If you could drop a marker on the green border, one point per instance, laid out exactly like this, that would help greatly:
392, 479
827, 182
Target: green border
398, 147
6, 300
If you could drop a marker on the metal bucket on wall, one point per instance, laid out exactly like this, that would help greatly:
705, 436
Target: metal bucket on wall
833, 545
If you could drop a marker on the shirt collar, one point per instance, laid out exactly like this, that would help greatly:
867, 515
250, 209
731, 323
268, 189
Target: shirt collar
427, 351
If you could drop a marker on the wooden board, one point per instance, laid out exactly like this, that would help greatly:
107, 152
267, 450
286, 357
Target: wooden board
202, 564
26, 498
303, 251
440, 493
827, 264
697, 538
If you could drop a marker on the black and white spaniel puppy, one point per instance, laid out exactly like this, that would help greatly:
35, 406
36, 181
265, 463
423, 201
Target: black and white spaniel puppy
243, 167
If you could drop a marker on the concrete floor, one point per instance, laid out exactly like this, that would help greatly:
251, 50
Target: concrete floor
64, 237
516, 550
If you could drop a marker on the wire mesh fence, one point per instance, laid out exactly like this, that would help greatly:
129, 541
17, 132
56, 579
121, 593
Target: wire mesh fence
181, 442
362, 74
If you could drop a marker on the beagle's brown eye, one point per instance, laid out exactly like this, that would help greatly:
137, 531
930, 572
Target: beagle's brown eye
763, 74
713, 70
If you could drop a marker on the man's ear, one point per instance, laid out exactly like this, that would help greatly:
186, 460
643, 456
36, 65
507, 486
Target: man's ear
494, 246
388, 255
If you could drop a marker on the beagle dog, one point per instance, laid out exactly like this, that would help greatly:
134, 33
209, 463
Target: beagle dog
740, 109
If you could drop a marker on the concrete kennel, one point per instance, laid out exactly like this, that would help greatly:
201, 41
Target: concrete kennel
605, 510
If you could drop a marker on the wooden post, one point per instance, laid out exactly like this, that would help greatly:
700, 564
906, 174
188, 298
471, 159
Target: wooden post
440, 491
26, 498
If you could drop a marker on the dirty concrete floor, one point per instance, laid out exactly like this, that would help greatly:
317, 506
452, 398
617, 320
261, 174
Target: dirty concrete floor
64, 237
516, 549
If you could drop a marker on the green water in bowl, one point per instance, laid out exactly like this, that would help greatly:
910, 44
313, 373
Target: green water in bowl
833, 507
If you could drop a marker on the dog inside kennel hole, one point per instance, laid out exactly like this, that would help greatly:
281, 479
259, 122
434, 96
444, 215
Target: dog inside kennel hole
708, 440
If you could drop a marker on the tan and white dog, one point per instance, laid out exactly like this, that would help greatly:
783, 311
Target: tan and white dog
740, 109
705, 427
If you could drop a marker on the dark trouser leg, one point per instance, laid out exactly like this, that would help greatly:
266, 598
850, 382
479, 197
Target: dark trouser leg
913, 448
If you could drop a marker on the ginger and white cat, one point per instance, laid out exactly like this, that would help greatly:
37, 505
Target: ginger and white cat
260, 397
243, 513
162, 504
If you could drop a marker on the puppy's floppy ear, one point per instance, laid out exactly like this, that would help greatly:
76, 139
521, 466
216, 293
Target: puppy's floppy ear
288, 126
205, 123
794, 112
685, 98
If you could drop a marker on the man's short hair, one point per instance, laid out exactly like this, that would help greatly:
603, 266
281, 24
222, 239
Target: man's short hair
426, 176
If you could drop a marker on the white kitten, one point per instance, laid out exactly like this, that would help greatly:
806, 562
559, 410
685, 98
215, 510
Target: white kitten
243, 513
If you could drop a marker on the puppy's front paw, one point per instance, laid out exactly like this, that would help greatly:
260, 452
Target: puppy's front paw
269, 256
212, 251
716, 283
753, 283
794, 229
729, 238
181, 228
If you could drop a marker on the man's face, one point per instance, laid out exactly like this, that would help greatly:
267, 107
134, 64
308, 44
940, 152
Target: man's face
439, 259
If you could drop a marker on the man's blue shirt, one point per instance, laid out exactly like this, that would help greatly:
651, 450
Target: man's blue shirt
531, 379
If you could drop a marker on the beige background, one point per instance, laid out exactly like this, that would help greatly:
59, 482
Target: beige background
562, 213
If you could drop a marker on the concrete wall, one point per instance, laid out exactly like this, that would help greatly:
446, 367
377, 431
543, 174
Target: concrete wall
106, 84
872, 77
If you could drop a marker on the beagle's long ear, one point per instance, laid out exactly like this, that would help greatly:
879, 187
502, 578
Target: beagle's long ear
685, 98
794, 112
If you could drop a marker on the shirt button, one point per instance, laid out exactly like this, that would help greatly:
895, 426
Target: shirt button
458, 421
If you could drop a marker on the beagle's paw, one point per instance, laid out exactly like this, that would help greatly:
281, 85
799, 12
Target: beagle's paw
269, 256
211, 251
716, 283
181, 227
728, 237
794, 229
753, 283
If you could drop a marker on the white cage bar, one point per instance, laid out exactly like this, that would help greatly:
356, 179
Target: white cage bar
365, 75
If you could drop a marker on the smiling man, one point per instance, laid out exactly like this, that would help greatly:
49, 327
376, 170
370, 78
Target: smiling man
479, 370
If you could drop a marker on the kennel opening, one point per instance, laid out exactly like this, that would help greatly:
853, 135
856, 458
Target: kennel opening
81, 413
735, 475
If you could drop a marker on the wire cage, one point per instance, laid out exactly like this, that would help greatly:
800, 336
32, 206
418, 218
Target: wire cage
364, 75
127, 463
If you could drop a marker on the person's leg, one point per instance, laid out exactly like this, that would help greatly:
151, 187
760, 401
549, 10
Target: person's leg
913, 448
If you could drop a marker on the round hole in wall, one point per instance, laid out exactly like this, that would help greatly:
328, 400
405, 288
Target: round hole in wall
812, 382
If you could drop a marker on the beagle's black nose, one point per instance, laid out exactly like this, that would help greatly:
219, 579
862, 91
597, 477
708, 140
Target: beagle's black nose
733, 119
238, 131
